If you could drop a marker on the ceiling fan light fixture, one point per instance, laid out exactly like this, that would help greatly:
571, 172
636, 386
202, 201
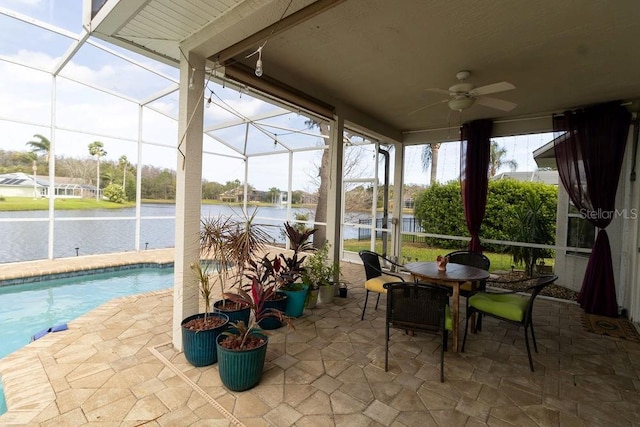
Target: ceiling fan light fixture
460, 104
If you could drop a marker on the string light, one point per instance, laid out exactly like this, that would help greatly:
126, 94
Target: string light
259, 61
192, 85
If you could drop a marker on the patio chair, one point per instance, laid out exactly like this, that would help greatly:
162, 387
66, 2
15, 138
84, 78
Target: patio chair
418, 306
376, 278
509, 307
474, 259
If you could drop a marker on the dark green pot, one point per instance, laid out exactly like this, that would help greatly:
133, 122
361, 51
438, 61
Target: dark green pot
296, 300
200, 346
270, 323
241, 369
234, 315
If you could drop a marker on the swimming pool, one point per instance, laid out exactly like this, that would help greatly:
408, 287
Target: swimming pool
29, 308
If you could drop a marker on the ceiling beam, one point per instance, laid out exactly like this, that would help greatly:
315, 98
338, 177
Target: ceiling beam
257, 39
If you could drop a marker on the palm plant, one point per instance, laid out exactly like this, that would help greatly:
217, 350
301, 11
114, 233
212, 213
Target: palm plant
529, 227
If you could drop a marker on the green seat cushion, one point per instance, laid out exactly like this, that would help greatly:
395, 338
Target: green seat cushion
511, 307
377, 283
448, 322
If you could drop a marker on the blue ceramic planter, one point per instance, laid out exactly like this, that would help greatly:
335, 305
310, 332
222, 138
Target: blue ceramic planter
270, 323
200, 346
241, 369
295, 301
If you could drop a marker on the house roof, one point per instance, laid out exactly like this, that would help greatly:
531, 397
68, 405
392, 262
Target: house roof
371, 61
544, 176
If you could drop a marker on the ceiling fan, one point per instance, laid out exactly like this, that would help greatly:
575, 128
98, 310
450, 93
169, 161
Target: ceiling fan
463, 95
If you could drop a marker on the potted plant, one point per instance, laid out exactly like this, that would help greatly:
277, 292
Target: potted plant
231, 244
199, 331
293, 269
242, 348
319, 273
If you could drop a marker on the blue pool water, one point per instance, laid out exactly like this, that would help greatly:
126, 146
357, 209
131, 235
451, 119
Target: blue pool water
27, 309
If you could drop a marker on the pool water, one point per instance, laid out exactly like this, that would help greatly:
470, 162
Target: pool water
30, 308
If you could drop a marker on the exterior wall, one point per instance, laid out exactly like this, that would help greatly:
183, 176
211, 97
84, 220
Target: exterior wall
16, 191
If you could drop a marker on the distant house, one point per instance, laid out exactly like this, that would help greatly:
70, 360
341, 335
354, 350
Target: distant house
20, 184
541, 175
235, 195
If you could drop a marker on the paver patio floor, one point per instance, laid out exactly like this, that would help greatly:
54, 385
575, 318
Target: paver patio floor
116, 366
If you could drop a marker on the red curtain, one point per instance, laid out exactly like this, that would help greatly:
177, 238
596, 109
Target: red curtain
474, 178
589, 156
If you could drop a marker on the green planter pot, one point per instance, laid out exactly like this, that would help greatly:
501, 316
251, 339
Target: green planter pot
241, 369
271, 323
296, 300
234, 315
312, 298
200, 346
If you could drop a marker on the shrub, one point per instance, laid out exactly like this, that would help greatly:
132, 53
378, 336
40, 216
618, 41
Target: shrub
114, 193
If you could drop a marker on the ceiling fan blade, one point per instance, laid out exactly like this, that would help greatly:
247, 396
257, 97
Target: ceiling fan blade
498, 104
492, 88
427, 106
436, 90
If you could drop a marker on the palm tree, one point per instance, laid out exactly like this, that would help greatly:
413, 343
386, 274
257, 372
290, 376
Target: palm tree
41, 146
96, 149
430, 160
123, 162
496, 159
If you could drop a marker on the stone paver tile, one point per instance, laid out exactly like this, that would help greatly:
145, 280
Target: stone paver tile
380, 412
352, 375
335, 367
352, 420
285, 361
385, 392
272, 395
250, 406
71, 418
73, 398
361, 391
416, 418
345, 404
175, 397
147, 408
295, 375
316, 404
296, 393
449, 417
315, 420
512, 415
327, 384
113, 411
407, 400
180, 417
283, 416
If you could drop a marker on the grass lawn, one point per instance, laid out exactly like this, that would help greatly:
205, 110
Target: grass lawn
413, 252
27, 204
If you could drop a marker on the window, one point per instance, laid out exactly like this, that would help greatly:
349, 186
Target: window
580, 232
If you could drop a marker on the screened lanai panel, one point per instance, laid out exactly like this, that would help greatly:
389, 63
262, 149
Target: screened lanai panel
68, 17
31, 45
24, 240
80, 107
222, 169
82, 235
95, 66
25, 94
166, 105
158, 128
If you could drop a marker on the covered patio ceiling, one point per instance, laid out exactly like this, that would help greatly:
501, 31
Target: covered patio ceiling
371, 60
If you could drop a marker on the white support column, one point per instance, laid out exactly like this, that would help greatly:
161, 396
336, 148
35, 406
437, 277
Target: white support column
334, 200
52, 168
138, 181
188, 191
398, 187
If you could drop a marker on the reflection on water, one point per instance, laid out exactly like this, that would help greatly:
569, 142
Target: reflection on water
27, 240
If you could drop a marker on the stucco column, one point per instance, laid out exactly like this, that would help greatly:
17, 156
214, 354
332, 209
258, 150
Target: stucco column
334, 200
188, 191
398, 187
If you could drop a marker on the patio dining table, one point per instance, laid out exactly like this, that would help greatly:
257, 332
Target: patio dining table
454, 276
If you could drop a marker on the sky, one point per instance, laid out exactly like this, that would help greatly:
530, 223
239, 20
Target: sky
84, 115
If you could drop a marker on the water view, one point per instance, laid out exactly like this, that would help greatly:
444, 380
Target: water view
27, 240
